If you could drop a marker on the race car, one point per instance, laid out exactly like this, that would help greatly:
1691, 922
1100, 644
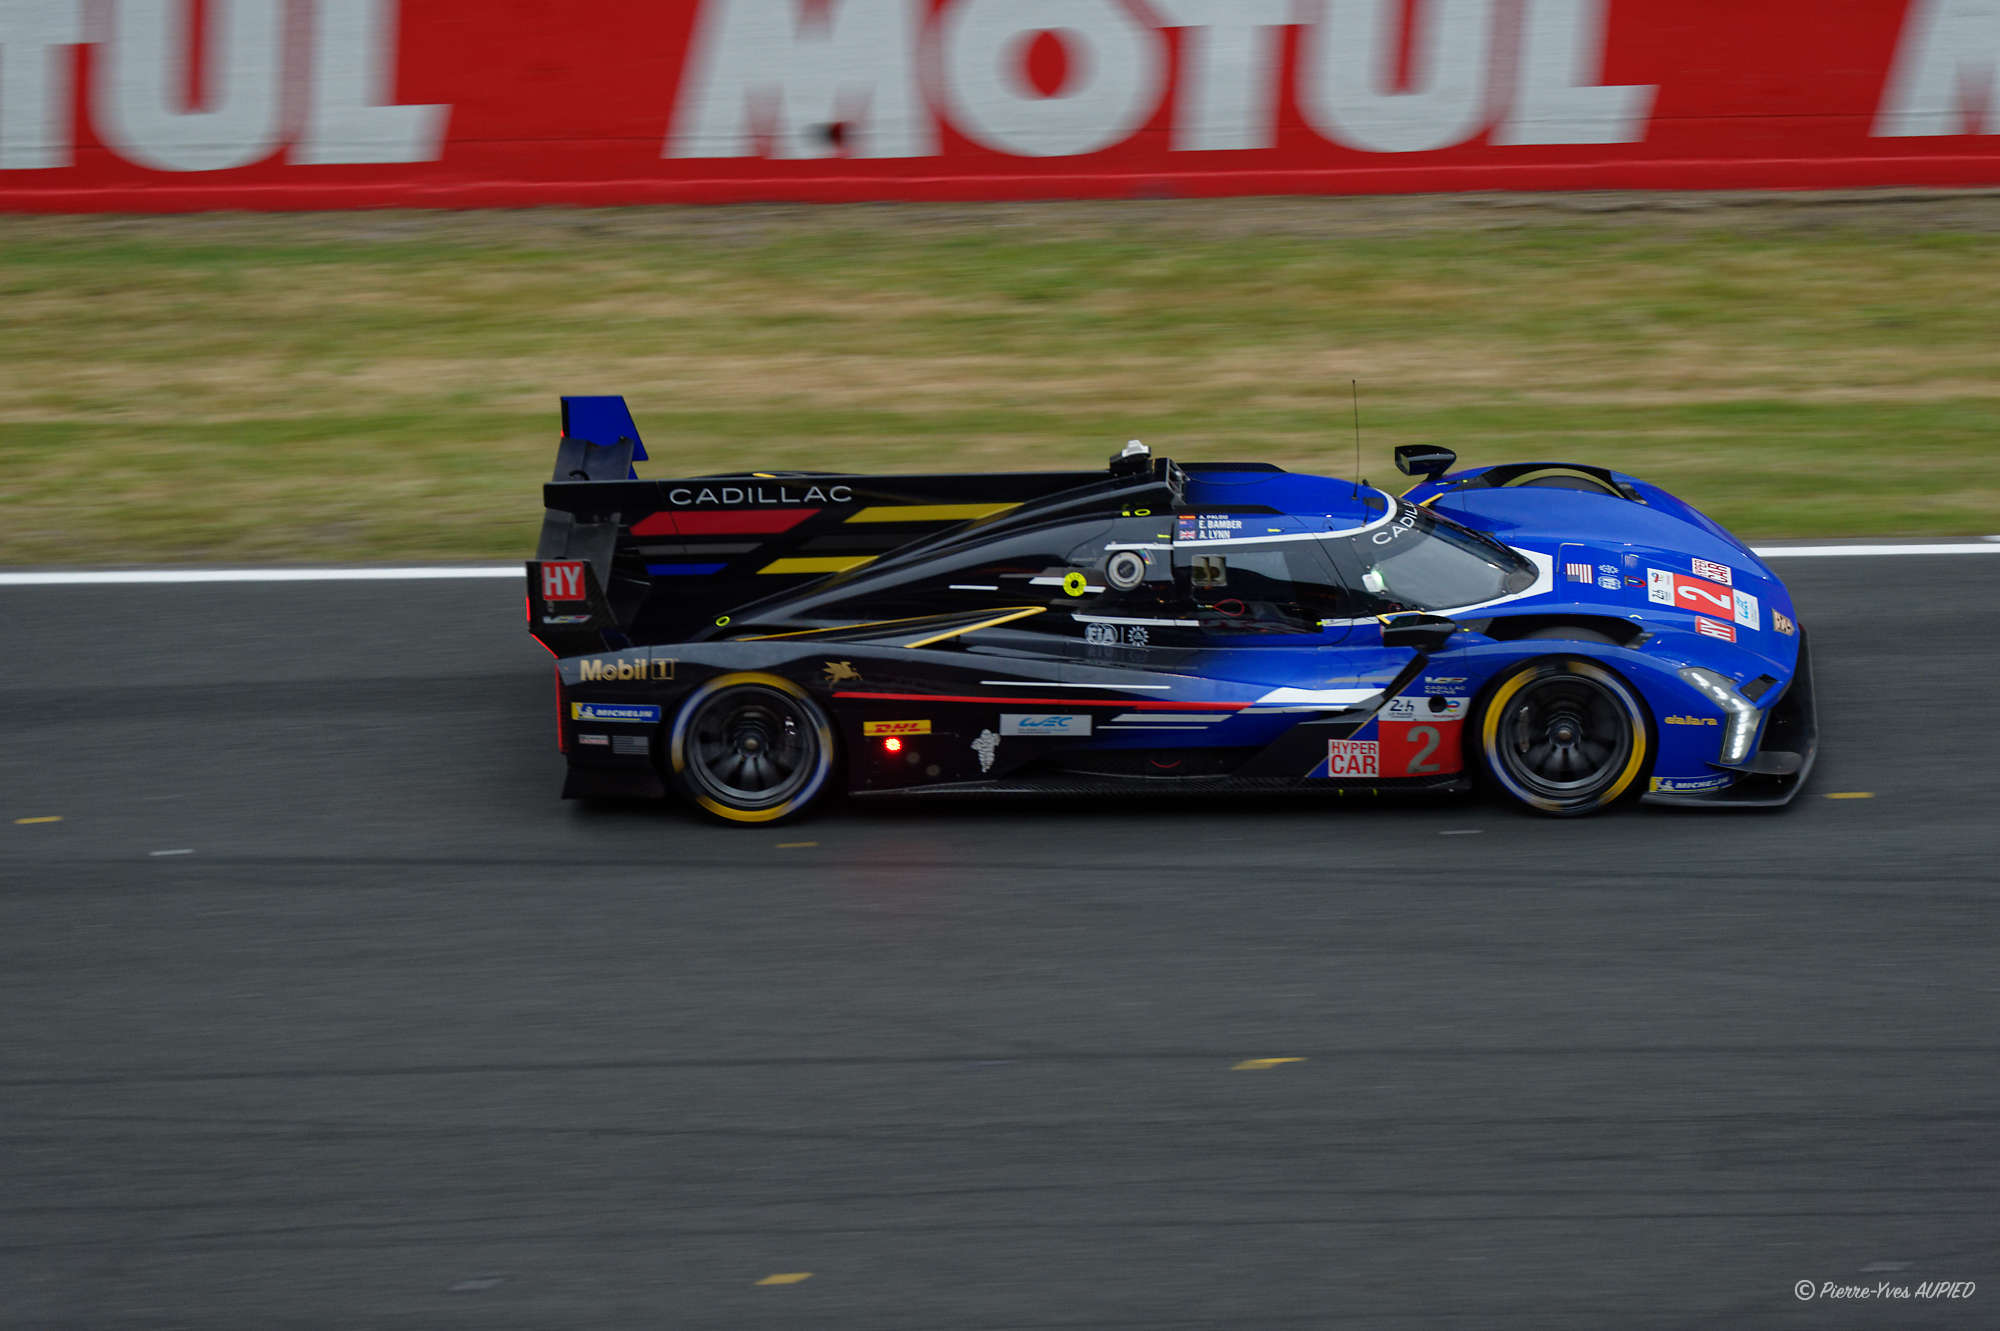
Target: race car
1563, 634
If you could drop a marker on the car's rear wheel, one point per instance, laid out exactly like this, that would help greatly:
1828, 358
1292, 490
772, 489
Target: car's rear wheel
1564, 737
751, 748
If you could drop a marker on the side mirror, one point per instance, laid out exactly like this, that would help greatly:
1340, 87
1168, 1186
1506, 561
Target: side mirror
1422, 633
1426, 460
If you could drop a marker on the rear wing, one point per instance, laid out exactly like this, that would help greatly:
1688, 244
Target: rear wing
625, 561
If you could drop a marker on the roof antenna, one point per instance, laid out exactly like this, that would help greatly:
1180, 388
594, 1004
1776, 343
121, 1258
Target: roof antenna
1354, 386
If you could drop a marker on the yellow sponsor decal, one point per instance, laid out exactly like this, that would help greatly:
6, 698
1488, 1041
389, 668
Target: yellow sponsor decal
1691, 721
874, 728
838, 564
929, 512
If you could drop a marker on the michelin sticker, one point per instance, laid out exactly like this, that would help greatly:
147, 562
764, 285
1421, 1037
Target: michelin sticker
629, 713
1668, 784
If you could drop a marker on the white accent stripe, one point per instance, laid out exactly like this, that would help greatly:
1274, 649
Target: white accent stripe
1162, 623
1837, 551
172, 576
1172, 719
135, 577
972, 587
1178, 730
1315, 697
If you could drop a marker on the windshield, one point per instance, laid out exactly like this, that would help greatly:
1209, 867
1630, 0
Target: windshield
1420, 560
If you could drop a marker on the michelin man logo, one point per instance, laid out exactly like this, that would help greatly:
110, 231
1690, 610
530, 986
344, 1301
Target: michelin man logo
986, 746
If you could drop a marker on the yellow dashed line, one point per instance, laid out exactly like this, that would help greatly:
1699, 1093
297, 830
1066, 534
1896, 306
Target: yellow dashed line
786, 1278
1259, 1064
796, 845
1851, 795
51, 818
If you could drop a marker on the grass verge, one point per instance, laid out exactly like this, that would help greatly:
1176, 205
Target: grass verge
382, 386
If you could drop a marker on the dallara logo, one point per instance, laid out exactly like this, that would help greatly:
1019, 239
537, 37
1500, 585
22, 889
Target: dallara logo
872, 728
1692, 721
593, 669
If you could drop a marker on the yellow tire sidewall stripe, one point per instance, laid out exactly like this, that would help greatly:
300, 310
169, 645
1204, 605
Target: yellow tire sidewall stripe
678, 747
1513, 684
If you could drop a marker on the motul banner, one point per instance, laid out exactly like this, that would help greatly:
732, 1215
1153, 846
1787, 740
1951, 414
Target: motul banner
180, 104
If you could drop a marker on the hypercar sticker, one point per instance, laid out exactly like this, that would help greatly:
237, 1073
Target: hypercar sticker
562, 580
1714, 628
1352, 757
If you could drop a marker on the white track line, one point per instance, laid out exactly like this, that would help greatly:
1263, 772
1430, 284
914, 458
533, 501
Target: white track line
171, 576
1838, 551
129, 577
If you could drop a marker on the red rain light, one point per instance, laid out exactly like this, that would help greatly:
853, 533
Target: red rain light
892, 745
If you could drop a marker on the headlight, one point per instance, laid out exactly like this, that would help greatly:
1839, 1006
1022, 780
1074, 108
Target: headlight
1743, 714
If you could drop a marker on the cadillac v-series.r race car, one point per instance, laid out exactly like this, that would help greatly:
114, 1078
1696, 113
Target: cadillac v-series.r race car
1570, 635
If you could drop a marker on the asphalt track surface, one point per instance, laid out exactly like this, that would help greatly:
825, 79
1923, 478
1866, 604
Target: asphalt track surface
401, 1039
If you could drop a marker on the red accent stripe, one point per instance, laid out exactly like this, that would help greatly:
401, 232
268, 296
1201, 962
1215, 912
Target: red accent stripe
727, 522
1129, 704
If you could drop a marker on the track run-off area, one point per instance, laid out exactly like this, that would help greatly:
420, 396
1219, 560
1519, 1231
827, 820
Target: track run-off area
321, 1009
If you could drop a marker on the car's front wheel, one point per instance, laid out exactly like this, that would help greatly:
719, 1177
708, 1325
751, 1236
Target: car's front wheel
751, 748
1564, 737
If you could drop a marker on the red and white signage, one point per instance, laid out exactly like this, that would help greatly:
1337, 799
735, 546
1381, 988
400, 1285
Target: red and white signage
1351, 757
562, 580
1709, 598
180, 104
1714, 628
1714, 572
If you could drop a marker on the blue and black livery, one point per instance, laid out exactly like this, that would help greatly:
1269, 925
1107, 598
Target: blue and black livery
1568, 635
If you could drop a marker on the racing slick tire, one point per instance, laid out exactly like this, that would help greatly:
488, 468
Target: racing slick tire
751, 748
1564, 736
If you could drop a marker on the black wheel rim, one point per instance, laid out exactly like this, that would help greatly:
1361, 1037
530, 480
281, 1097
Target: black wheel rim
752, 748
1566, 738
